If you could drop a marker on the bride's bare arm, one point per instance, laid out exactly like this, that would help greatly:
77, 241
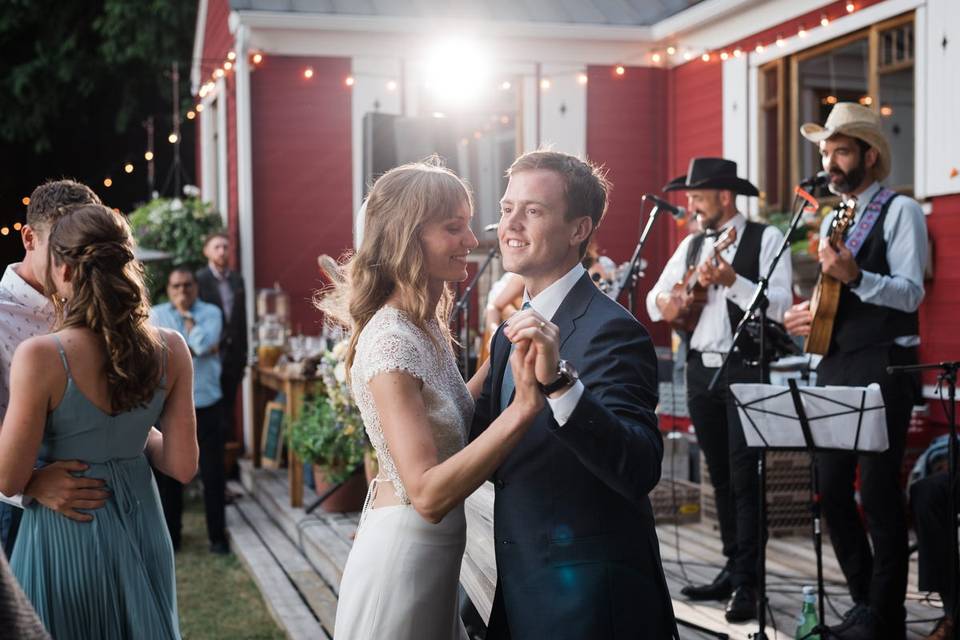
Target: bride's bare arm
475, 384
434, 487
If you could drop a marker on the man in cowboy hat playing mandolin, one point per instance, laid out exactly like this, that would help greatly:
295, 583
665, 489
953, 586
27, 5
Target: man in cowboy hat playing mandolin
881, 267
730, 279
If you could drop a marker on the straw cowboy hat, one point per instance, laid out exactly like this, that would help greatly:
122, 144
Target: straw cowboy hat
854, 120
712, 173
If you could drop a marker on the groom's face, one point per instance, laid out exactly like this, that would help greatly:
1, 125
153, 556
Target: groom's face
536, 239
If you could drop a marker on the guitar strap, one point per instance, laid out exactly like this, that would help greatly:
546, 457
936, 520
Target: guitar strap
869, 218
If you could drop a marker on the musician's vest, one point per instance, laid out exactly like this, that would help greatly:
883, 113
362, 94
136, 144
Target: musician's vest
861, 324
746, 261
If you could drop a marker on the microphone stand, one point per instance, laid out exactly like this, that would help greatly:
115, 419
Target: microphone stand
462, 311
632, 273
948, 374
758, 310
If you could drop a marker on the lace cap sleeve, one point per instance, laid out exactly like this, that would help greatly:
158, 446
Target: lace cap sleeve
391, 349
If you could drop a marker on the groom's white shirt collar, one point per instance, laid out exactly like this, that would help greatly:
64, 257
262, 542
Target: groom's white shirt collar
549, 300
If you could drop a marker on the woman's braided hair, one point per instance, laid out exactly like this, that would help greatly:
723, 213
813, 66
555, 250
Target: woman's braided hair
109, 298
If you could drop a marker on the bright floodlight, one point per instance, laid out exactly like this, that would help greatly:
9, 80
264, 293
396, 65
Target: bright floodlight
456, 70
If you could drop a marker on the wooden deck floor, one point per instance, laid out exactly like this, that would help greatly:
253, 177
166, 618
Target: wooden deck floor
298, 559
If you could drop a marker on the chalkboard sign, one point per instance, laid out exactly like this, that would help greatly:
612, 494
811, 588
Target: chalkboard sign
271, 445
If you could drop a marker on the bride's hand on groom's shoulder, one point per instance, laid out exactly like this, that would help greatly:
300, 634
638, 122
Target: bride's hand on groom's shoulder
523, 362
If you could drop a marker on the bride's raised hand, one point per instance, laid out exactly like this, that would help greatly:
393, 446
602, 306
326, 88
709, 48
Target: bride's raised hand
523, 360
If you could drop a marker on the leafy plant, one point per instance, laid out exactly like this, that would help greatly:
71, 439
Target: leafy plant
322, 436
177, 226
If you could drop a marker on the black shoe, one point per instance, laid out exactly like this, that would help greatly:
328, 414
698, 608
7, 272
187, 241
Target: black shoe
719, 589
742, 605
858, 623
220, 548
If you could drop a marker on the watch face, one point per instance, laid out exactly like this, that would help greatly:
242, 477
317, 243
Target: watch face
567, 370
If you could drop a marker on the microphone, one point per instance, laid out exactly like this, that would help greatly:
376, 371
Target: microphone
677, 212
817, 180
491, 227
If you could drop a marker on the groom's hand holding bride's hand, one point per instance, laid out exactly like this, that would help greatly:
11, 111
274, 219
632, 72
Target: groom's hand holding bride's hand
527, 391
530, 325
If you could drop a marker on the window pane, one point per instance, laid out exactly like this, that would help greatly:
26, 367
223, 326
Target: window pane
839, 75
897, 119
770, 84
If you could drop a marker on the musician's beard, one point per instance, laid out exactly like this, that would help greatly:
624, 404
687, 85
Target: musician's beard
850, 182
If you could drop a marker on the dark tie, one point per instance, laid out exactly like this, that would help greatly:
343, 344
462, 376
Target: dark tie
507, 386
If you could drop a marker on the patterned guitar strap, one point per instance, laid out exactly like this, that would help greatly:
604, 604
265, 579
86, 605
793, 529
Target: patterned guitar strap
869, 218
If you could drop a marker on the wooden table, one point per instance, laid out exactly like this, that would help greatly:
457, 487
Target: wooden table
295, 388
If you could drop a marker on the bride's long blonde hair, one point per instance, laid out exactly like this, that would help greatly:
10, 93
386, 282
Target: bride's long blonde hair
390, 257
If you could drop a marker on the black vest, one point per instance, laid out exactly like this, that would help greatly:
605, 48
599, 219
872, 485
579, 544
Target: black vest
746, 262
861, 324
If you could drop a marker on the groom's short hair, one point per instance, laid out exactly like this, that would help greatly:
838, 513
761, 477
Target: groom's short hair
586, 187
50, 200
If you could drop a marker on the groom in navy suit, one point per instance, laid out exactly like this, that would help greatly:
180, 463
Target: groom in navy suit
576, 549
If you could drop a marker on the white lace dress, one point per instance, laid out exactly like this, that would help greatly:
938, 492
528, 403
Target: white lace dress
400, 581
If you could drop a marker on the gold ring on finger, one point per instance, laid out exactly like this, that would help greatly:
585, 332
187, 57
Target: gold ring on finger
542, 325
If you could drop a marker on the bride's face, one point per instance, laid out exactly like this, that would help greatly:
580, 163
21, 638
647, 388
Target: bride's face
446, 244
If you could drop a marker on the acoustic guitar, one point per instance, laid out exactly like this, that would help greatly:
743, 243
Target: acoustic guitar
686, 316
826, 295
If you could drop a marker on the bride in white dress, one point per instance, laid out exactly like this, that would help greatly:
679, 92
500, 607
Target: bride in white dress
400, 581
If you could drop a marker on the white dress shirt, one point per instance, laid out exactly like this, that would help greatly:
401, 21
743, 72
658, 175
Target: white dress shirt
905, 233
713, 332
546, 303
24, 313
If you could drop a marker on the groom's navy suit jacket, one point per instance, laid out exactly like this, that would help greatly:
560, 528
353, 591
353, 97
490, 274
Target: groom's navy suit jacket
576, 549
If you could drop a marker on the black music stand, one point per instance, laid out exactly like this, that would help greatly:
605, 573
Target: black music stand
843, 419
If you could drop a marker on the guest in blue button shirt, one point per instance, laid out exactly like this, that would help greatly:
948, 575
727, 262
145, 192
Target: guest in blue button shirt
201, 324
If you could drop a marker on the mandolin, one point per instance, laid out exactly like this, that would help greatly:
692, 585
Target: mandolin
686, 316
826, 295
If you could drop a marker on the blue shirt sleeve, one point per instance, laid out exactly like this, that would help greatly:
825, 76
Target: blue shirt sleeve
204, 338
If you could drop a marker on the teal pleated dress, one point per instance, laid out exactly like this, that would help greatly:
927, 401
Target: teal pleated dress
112, 578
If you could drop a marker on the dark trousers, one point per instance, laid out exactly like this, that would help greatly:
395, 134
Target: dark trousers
732, 466
230, 386
929, 499
9, 525
878, 579
210, 439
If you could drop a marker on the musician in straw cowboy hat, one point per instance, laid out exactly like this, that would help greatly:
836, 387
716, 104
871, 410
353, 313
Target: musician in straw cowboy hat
881, 265
711, 186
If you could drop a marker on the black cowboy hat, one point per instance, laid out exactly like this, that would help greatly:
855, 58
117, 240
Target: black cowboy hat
712, 173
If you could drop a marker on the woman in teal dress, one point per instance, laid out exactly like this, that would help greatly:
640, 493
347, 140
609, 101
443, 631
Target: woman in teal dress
92, 391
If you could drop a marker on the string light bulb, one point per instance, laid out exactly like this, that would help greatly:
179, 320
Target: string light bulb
172, 138
801, 32
671, 50
198, 108
148, 156
218, 73
191, 115
308, 73
391, 85
5, 231
545, 84
231, 55
705, 57
107, 182
349, 81
737, 52
17, 226
760, 48
128, 167
688, 55
582, 78
26, 201
655, 57
824, 20
505, 85
227, 65
851, 7
724, 55
780, 41
257, 58
619, 70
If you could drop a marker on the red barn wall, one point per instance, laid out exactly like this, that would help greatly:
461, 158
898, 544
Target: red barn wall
941, 305
626, 133
302, 175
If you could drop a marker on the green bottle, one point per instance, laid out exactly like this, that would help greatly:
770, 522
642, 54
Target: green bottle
808, 621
